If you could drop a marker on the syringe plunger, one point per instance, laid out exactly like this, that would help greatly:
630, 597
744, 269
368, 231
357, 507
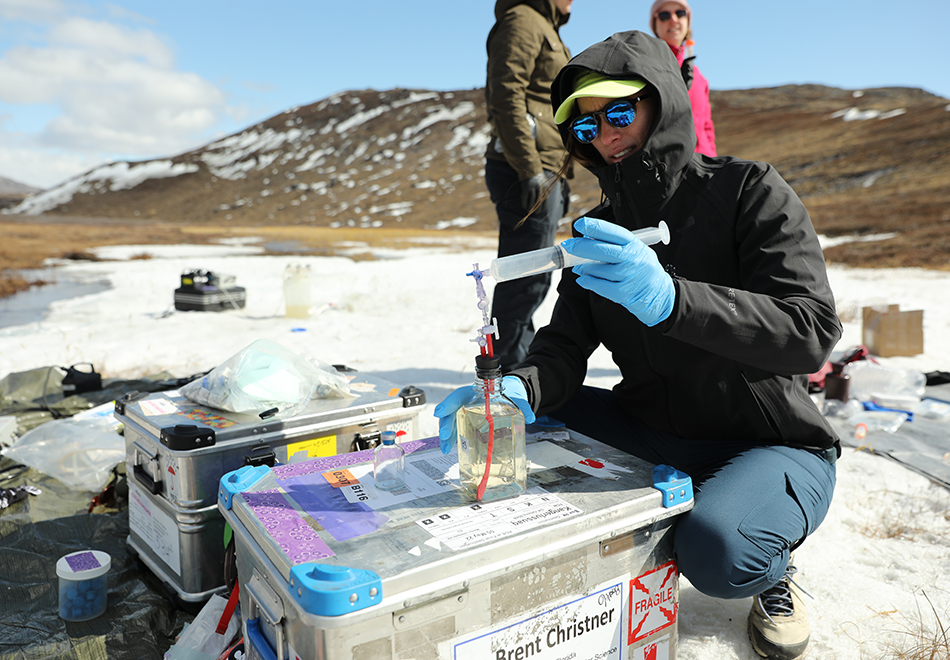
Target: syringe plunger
556, 257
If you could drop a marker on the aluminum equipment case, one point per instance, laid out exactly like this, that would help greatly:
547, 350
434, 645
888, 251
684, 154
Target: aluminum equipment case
579, 567
177, 451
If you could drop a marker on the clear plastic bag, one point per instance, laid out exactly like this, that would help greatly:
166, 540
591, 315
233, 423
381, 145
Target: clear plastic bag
838, 408
265, 376
885, 386
199, 641
79, 451
865, 422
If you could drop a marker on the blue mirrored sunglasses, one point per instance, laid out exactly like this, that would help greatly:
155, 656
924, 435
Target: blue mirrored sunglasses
618, 114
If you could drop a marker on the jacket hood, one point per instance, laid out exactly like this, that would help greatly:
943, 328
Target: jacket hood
544, 7
672, 139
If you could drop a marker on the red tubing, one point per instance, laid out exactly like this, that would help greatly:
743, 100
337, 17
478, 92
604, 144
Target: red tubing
480, 493
483, 484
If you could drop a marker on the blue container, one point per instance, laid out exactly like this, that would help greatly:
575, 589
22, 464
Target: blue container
83, 584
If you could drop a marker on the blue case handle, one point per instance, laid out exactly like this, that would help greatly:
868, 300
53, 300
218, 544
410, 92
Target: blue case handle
256, 642
238, 481
676, 486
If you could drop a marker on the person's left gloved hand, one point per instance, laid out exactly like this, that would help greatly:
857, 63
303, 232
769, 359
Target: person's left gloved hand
531, 190
629, 273
512, 387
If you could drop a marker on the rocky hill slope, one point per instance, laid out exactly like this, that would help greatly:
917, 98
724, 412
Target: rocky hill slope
13, 192
874, 163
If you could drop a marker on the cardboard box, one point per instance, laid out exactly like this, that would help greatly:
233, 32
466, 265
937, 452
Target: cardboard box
890, 332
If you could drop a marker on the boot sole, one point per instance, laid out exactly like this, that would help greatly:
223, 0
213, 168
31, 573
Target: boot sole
768, 650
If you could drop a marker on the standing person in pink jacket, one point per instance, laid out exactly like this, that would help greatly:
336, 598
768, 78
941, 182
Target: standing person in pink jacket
673, 23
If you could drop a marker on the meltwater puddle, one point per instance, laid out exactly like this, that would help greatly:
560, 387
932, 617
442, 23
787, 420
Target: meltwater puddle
33, 304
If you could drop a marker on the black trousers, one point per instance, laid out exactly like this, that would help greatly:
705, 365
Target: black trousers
514, 302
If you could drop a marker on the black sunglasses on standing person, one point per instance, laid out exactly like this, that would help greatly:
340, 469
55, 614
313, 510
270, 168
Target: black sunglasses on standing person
665, 15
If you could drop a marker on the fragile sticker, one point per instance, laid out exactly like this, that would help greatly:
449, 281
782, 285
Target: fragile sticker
656, 650
652, 602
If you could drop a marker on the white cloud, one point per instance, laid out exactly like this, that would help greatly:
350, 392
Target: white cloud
114, 88
29, 10
42, 168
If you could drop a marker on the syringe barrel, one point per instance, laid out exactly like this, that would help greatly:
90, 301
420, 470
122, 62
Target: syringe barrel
651, 235
534, 262
556, 257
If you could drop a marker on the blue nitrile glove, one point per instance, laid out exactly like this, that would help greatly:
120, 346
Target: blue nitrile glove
630, 275
513, 389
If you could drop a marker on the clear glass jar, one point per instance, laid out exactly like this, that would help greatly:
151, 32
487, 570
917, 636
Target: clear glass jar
389, 463
495, 441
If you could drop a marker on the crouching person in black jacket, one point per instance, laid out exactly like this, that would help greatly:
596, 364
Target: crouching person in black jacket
714, 334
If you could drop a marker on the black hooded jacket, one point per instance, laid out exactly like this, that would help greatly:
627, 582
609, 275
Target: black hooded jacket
754, 313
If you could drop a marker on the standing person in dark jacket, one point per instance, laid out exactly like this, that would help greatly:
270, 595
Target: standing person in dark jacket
525, 52
714, 334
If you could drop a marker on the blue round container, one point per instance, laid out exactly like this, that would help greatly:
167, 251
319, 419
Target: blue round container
83, 584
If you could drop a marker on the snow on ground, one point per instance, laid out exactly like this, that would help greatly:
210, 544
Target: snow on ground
874, 568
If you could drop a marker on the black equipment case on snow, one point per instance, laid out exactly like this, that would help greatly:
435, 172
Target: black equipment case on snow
204, 291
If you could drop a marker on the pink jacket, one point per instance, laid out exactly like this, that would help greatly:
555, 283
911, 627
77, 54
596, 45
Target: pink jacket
702, 112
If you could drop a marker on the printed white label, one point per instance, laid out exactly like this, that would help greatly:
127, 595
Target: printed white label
480, 523
589, 628
151, 407
156, 528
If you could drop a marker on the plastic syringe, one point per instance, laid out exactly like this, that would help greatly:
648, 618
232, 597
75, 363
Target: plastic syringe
556, 257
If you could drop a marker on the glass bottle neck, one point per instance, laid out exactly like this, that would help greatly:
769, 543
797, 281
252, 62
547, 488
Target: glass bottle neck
488, 382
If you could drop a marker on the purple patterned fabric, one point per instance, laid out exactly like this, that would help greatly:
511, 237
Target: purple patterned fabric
296, 539
83, 561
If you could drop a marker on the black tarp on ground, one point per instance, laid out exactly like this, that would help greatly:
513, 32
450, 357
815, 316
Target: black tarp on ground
923, 445
140, 622
36, 396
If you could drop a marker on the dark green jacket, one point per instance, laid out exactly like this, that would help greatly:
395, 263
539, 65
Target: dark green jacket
754, 313
525, 53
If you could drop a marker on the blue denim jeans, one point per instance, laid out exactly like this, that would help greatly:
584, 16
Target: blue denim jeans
753, 504
514, 302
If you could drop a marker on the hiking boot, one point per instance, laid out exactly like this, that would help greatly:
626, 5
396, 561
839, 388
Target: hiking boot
778, 621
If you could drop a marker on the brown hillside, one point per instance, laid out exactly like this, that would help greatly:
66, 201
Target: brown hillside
374, 163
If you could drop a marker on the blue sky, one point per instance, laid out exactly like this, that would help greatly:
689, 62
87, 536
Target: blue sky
85, 83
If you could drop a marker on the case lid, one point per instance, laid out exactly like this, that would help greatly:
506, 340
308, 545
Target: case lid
327, 512
160, 413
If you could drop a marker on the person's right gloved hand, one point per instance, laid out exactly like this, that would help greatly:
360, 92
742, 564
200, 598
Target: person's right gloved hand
512, 387
531, 190
624, 270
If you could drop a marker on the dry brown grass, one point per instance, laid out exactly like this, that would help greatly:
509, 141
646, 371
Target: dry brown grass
921, 639
28, 242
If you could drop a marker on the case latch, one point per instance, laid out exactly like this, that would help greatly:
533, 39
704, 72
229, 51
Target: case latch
412, 396
676, 486
329, 590
182, 437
